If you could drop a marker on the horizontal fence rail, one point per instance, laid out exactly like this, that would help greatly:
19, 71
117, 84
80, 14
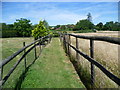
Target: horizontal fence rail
18, 52
67, 45
31, 46
100, 38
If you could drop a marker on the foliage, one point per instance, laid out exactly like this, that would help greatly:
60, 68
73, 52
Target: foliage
99, 26
23, 27
67, 27
7, 30
112, 26
83, 25
46, 24
40, 30
34, 26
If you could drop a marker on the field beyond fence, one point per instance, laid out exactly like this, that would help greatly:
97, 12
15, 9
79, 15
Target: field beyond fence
105, 53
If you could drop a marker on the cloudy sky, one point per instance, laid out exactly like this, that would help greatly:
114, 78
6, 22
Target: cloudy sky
59, 12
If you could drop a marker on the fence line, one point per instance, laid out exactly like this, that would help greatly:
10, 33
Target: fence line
10, 58
66, 42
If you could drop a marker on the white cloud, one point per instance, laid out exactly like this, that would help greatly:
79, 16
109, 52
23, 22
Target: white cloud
52, 14
55, 15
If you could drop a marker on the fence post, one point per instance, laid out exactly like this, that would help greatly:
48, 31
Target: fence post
92, 65
77, 48
49, 38
60, 36
64, 43
25, 56
40, 45
68, 44
1, 75
35, 51
69, 49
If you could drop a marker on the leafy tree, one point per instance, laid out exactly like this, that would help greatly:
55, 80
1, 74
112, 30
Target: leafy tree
58, 26
83, 25
40, 30
23, 27
34, 26
63, 27
112, 26
46, 24
116, 26
99, 26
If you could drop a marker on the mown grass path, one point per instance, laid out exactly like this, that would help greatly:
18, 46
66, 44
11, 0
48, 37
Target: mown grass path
52, 70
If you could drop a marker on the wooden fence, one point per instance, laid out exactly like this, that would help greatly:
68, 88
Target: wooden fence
40, 41
66, 40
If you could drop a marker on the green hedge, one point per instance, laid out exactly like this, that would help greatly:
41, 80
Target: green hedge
9, 33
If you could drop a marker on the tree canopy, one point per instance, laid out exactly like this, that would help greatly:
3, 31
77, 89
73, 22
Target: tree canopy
40, 30
112, 26
23, 27
83, 25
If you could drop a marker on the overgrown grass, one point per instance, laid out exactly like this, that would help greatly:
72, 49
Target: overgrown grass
105, 53
52, 70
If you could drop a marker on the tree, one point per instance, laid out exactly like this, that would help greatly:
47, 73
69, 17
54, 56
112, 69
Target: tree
46, 24
23, 27
89, 18
112, 26
83, 25
40, 30
63, 27
58, 26
99, 26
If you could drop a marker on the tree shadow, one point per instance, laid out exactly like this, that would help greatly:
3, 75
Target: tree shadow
24, 74
22, 77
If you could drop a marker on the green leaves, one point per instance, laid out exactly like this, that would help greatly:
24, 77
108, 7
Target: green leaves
83, 25
40, 30
23, 27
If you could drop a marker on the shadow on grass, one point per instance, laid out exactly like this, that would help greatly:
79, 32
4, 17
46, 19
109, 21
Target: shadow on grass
83, 74
22, 77
24, 74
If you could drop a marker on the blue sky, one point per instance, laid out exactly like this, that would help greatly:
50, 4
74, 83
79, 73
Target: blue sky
59, 12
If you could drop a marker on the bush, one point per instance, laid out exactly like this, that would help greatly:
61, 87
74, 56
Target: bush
55, 34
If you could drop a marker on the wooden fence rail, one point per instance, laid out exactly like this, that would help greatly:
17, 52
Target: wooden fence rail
66, 42
10, 58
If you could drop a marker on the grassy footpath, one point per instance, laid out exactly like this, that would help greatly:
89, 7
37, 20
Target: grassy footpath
52, 70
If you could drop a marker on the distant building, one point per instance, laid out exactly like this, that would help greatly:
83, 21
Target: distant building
52, 28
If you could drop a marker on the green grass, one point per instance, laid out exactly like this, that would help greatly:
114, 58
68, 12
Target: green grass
52, 70
10, 46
